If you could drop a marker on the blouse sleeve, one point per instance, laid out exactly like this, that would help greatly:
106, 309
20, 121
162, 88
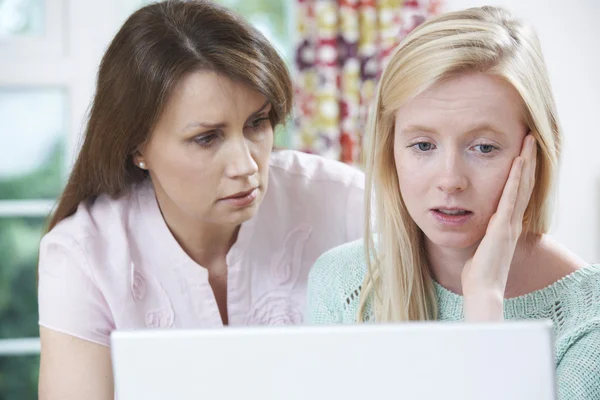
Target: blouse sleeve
69, 301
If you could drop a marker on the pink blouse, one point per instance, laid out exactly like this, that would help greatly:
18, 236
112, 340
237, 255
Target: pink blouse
114, 264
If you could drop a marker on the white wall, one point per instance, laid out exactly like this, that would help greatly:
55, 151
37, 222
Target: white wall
570, 36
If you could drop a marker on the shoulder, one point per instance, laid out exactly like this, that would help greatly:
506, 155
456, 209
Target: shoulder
78, 277
577, 321
315, 168
552, 261
96, 216
94, 223
341, 269
576, 307
326, 194
571, 285
581, 295
334, 285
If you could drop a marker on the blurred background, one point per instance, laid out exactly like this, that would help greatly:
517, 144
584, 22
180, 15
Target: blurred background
50, 51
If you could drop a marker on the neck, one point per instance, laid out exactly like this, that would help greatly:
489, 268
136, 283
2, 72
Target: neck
446, 266
206, 243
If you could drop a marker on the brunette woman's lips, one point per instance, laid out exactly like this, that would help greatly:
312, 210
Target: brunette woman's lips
451, 216
242, 199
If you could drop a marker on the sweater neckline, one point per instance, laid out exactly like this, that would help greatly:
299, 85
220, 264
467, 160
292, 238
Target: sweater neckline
520, 307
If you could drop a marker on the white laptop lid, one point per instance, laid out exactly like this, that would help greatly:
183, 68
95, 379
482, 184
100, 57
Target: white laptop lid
451, 361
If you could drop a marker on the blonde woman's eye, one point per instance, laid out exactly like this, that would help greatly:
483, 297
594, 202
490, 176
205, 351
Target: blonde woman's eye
423, 146
485, 148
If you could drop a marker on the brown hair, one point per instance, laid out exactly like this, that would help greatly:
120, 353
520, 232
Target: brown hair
150, 54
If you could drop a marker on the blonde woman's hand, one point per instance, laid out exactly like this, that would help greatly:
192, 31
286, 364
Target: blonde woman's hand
485, 274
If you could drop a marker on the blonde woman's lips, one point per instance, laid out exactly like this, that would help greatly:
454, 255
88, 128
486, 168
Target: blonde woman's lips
451, 216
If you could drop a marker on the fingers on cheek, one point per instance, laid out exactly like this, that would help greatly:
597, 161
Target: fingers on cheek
534, 167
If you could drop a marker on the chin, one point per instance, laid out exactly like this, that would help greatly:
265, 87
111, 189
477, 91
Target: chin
240, 216
453, 240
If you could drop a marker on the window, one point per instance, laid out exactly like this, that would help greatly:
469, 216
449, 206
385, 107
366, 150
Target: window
49, 55
36, 83
21, 17
30, 28
19, 240
33, 132
32, 128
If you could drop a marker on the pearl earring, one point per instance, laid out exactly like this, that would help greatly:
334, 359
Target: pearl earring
142, 165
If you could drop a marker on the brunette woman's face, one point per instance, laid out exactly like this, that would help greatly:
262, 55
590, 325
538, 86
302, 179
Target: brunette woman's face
208, 156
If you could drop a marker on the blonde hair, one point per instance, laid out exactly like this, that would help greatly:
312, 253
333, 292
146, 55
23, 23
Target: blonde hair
486, 39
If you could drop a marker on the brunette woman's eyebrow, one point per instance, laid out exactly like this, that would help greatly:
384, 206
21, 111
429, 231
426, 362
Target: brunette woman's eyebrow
261, 109
205, 125
220, 125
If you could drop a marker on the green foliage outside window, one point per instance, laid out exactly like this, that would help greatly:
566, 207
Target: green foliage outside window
19, 240
19, 244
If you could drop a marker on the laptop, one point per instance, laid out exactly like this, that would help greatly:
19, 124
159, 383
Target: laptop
429, 361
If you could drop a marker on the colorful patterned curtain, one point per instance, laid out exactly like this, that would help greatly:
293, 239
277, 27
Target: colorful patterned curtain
341, 49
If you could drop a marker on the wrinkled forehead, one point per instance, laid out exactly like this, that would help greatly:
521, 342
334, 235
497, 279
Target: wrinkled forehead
212, 96
463, 104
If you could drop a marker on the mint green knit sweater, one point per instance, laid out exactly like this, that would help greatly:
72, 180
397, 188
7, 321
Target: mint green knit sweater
572, 303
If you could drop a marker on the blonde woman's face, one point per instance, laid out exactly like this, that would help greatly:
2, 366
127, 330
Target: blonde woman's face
453, 147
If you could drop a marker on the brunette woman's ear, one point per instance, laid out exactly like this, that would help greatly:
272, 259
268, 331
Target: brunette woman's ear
138, 160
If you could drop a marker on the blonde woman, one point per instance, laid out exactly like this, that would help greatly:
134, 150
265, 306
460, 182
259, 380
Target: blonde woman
462, 156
